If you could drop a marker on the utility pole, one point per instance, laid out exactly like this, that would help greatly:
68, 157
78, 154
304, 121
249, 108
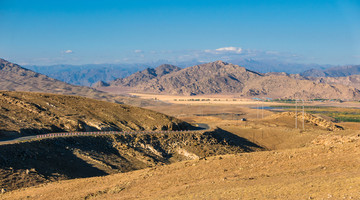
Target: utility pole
262, 109
295, 113
303, 113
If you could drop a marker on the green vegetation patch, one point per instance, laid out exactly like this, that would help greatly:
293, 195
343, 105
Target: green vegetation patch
338, 114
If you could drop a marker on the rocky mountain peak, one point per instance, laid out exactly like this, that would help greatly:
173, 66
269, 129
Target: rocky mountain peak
220, 62
166, 69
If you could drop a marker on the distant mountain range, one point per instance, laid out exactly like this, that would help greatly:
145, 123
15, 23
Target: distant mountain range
87, 75
224, 78
339, 71
269, 65
211, 78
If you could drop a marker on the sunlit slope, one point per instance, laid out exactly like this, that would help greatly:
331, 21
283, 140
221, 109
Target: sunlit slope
33, 113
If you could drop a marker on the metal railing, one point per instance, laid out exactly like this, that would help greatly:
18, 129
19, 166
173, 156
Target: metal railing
107, 133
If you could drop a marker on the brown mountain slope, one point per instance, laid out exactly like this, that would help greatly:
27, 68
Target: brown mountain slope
221, 77
145, 75
15, 78
24, 113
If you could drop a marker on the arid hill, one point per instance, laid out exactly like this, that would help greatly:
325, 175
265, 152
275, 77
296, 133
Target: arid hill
27, 113
15, 78
225, 78
146, 75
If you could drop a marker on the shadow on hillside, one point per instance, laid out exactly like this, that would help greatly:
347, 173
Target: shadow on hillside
24, 132
234, 140
48, 158
200, 127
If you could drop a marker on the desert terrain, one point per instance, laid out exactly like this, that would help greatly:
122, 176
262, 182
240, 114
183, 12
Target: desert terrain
249, 153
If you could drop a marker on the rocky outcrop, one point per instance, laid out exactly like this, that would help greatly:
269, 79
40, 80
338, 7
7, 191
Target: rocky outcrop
310, 119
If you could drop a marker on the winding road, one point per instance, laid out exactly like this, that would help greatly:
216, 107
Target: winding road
199, 127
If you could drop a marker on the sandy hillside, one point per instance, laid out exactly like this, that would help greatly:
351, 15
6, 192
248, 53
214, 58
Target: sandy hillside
330, 172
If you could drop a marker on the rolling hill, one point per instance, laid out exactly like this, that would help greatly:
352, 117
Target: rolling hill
28, 113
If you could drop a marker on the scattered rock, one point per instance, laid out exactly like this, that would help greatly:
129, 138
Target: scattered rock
310, 119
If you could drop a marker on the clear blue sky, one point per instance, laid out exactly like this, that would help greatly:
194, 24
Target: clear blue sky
79, 32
